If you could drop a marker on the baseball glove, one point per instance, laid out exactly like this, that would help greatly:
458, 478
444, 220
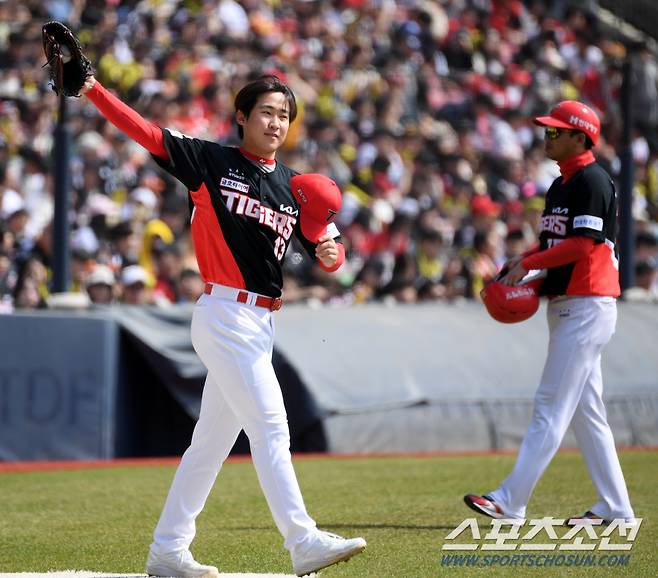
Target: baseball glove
69, 68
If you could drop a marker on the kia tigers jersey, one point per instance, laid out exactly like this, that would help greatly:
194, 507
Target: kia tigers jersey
243, 216
584, 206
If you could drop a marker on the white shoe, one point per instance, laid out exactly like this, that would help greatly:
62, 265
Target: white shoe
180, 564
326, 549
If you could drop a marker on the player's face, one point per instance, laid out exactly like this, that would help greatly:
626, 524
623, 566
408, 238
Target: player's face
560, 143
266, 127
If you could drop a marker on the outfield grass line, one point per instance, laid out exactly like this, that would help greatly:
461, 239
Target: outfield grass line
51, 465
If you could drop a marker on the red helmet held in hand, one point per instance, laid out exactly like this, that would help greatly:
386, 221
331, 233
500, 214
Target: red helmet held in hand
511, 303
319, 201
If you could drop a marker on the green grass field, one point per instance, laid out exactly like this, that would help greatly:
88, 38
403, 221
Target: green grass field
102, 519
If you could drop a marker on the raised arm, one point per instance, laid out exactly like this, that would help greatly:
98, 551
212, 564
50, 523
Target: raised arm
127, 120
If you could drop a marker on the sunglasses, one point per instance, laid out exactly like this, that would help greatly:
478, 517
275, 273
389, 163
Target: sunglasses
552, 133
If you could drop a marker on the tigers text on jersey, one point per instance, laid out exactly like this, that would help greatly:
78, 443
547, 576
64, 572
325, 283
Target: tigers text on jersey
584, 206
243, 216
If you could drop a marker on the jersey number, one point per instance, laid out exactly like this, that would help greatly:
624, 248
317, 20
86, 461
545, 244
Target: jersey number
279, 247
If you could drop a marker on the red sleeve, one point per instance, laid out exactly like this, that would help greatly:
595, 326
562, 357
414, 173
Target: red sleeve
339, 261
568, 251
127, 120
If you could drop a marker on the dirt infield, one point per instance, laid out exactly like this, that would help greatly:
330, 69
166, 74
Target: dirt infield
51, 465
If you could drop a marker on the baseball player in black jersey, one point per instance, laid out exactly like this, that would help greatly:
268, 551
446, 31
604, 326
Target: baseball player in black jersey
577, 250
245, 211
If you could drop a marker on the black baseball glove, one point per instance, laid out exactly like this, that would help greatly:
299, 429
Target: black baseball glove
69, 68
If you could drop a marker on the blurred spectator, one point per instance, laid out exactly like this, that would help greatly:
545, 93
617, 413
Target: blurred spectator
81, 265
190, 286
419, 110
368, 280
134, 286
295, 292
456, 279
10, 200
7, 274
402, 287
31, 289
485, 261
101, 285
22, 245
515, 244
646, 246
161, 232
168, 265
645, 93
646, 282
125, 245
26, 294
429, 264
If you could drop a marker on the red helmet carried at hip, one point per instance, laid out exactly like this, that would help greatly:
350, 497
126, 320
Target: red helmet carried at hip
511, 303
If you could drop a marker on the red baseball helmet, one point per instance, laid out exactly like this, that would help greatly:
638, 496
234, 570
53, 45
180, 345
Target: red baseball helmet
319, 201
574, 115
511, 303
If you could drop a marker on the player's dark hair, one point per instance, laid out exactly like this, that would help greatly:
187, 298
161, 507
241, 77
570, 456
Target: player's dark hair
589, 144
251, 92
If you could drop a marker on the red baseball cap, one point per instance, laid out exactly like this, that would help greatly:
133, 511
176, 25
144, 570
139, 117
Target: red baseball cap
485, 205
319, 201
574, 115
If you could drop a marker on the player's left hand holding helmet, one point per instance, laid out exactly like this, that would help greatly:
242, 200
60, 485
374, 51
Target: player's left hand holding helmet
512, 303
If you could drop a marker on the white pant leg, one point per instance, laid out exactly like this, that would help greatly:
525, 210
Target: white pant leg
579, 328
597, 444
235, 343
214, 436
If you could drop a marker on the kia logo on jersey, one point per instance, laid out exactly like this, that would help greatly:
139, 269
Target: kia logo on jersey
282, 223
289, 210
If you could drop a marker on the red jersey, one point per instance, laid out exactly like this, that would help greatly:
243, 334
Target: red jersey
583, 206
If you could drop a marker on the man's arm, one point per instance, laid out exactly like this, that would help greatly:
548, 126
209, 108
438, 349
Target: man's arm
127, 120
568, 251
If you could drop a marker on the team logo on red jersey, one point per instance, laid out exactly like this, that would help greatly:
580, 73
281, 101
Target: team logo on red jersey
556, 224
239, 202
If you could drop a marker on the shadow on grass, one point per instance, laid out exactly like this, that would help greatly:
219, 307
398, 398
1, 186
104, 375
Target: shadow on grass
355, 526
386, 526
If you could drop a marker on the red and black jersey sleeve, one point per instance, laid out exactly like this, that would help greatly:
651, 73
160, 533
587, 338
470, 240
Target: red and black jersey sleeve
186, 158
583, 206
593, 208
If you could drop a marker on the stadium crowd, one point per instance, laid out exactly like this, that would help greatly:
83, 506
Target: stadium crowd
420, 110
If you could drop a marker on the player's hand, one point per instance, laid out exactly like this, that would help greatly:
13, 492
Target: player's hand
514, 275
327, 250
89, 83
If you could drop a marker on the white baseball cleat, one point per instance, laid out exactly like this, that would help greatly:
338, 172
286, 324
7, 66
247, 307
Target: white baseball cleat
326, 549
180, 564
485, 505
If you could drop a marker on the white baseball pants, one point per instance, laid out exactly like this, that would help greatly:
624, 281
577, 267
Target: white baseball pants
235, 343
570, 391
